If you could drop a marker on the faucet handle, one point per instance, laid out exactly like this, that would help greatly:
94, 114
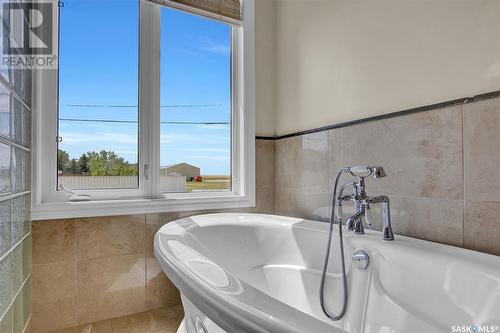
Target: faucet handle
368, 216
339, 212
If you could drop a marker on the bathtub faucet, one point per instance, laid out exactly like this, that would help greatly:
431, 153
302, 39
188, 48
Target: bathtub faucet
362, 204
362, 201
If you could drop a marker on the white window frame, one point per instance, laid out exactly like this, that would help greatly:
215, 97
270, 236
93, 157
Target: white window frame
48, 203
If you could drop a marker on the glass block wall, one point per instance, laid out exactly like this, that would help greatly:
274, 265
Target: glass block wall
15, 185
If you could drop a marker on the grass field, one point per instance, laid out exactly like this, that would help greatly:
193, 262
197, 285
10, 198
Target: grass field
210, 183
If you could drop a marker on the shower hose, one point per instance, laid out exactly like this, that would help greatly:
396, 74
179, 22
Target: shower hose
333, 316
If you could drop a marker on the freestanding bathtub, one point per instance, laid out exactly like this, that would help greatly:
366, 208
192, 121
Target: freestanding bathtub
261, 273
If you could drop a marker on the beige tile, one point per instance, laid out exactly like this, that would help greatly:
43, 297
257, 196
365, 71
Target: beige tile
365, 144
153, 223
164, 320
264, 202
161, 218
482, 227
100, 237
425, 160
97, 327
312, 206
160, 292
54, 241
482, 150
264, 163
287, 162
361, 144
110, 287
435, 220
302, 172
54, 296
421, 153
302, 163
284, 204
314, 163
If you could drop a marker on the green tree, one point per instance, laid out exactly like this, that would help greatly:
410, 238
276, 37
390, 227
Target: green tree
73, 168
83, 164
62, 160
107, 163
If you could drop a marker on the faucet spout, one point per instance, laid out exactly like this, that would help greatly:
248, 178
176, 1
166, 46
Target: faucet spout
387, 230
387, 233
354, 222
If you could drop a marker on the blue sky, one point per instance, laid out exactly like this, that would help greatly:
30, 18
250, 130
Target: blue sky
99, 67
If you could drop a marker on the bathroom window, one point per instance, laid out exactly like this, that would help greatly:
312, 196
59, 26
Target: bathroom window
195, 103
98, 120
152, 110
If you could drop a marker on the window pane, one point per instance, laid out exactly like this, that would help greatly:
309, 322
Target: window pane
195, 103
98, 94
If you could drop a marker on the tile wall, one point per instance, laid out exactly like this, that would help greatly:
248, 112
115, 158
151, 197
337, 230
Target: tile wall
15, 185
92, 269
443, 172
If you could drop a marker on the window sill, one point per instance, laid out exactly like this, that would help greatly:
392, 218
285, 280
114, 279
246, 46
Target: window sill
166, 203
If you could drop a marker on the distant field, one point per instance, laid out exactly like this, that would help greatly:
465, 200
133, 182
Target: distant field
211, 182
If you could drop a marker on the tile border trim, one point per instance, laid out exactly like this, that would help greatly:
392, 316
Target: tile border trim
430, 107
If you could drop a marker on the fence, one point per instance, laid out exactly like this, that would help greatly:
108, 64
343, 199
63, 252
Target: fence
167, 183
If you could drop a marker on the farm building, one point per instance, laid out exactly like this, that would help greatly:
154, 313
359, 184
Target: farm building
183, 169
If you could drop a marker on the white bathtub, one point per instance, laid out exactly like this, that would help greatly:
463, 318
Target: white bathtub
261, 273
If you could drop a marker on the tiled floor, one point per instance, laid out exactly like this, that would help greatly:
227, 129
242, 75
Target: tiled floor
164, 320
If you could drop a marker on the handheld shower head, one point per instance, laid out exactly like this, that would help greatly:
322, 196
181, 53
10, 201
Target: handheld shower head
378, 172
366, 170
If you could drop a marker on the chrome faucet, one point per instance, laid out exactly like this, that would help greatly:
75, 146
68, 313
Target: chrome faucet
362, 204
362, 201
